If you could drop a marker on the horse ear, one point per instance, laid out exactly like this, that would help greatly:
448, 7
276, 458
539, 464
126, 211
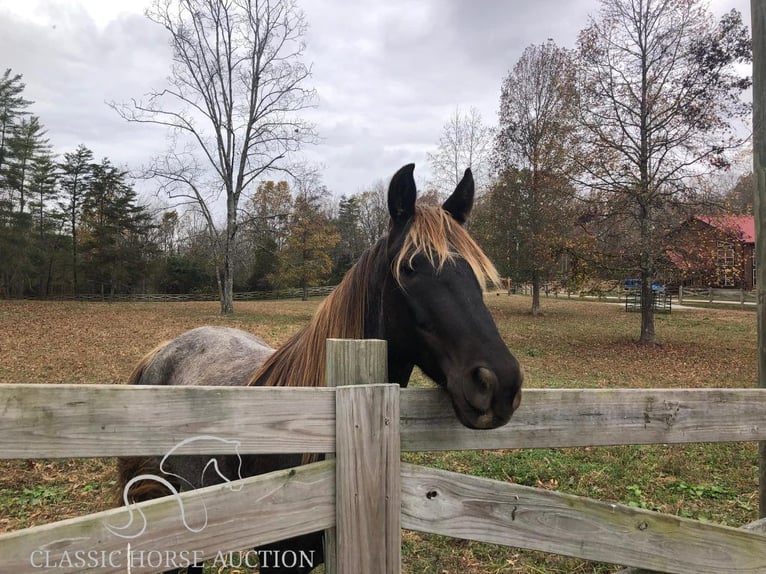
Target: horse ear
459, 204
402, 194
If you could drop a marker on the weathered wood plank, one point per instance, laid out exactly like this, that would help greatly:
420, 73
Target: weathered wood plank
368, 526
352, 362
591, 417
240, 515
480, 509
757, 526
46, 421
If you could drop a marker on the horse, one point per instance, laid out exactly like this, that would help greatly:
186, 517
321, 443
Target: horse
420, 287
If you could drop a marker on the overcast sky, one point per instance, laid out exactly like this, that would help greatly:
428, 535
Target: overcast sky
388, 72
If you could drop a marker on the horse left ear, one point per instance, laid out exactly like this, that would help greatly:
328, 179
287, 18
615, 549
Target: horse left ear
402, 194
459, 204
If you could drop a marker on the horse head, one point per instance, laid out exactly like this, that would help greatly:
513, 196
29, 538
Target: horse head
432, 309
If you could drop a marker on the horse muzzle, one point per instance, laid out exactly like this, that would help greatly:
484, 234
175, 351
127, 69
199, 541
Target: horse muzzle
485, 400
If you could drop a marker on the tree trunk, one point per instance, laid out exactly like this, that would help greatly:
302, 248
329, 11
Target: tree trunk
536, 309
227, 293
648, 336
227, 283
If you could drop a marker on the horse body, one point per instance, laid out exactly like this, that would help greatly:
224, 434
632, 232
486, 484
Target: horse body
420, 288
205, 356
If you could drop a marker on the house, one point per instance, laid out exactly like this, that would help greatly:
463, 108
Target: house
715, 251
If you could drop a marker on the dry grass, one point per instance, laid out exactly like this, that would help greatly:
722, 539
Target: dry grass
576, 344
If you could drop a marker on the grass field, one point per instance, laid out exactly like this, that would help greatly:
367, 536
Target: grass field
576, 344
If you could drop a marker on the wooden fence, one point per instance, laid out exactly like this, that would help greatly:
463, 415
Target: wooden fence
294, 293
366, 494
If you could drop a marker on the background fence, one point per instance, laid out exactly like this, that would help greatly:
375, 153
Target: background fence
295, 293
367, 494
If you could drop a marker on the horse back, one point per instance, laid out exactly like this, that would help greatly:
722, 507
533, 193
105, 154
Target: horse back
203, 356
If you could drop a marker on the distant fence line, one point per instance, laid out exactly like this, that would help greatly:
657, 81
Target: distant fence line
608, 290
295, 293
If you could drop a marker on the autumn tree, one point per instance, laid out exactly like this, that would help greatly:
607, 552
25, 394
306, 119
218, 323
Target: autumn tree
236, 87
659, 99
739, 199
533, 148
305, 260
465, 142
267, 214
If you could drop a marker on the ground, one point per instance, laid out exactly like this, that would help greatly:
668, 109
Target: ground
576, 344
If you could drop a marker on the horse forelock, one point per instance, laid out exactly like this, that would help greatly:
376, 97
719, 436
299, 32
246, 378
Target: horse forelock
434, 234
301, 361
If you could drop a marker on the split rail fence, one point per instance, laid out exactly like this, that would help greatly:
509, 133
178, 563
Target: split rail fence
366, 495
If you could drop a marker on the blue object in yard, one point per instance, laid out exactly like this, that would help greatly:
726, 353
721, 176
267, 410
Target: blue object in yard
635, 283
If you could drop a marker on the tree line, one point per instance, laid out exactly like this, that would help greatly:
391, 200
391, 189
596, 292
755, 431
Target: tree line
72, 225
598, 154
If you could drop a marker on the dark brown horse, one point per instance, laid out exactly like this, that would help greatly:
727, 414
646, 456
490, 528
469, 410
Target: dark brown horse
420, 288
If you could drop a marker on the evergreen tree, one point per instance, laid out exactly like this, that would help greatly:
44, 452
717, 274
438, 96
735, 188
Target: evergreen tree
12, 106
46, 222
76, 172
27, 143
112, 226
350, 238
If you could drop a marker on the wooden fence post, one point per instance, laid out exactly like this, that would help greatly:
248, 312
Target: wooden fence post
367, 537
758, 28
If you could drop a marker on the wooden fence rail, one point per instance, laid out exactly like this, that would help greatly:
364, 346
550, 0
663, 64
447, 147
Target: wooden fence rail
293, 293
220, 518
476, 508
48, 421
367, 494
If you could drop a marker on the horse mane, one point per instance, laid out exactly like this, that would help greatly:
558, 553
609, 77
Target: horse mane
301, 361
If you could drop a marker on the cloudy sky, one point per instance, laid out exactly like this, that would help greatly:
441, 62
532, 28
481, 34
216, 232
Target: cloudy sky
388, 72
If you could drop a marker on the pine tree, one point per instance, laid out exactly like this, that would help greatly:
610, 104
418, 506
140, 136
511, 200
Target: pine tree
27, 143
76, 172
12, 106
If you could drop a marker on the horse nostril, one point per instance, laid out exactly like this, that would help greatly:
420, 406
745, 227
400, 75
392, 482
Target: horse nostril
481, 392
486, 379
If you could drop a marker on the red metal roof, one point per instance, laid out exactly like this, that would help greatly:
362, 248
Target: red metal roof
743, 224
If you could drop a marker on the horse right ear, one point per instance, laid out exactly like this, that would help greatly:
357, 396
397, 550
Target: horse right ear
402, 194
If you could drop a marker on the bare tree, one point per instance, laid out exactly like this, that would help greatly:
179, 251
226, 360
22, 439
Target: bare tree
465, 141
533, 148
373, 212
659, 97
236, 86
